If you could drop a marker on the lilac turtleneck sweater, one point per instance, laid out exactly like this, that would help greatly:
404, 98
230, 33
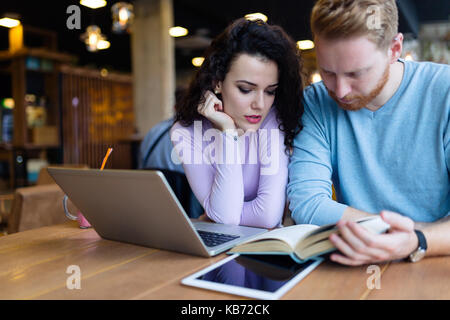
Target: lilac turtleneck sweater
238, 180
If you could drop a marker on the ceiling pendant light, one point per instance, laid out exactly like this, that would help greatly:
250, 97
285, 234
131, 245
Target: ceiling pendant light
94, 39
305, 44
256, 16
9, 20
178, 32
93, 4
122, 15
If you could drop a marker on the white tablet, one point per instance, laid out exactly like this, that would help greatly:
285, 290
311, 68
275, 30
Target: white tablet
265, 277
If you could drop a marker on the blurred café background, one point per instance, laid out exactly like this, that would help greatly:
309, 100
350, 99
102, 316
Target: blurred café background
77, 77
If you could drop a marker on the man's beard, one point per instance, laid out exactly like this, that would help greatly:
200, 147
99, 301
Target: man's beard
362, 101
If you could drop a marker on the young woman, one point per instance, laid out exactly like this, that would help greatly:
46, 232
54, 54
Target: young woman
236, 124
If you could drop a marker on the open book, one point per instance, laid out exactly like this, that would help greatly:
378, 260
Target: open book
302, 241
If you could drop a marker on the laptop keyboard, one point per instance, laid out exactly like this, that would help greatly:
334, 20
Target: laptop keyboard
212, 239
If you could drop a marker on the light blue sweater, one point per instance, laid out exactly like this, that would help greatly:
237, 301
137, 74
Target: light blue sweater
396, 158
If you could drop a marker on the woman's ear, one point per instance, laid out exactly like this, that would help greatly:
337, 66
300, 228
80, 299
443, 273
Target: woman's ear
218, 88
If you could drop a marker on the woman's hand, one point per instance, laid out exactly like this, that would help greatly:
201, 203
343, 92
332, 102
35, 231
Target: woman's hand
212, 109
205, 218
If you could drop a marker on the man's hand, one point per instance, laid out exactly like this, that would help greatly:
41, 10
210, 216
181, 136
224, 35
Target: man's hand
358, 246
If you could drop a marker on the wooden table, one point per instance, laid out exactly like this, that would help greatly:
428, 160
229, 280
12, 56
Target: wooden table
33, 265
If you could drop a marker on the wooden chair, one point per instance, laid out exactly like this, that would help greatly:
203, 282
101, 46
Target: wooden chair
35, 207
45, 178
6, 201
38, 206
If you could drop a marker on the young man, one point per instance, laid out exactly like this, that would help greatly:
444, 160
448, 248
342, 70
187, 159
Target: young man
378, 129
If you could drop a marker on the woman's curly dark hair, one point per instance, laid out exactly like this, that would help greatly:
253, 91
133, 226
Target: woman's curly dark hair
255, 38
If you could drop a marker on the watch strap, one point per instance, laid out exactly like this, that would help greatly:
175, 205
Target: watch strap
422, 241
420, 252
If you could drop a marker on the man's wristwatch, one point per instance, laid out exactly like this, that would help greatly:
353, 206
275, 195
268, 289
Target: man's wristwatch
419, 253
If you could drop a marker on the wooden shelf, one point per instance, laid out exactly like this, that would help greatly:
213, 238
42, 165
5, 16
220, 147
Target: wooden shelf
28, 146
40, 71
37, 53
22, 144
94, 73
32, 146
6, 146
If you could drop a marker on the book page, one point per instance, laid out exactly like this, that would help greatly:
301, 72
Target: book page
291, 235
317, 241
374, 224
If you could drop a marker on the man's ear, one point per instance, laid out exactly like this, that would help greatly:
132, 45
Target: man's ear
395, 50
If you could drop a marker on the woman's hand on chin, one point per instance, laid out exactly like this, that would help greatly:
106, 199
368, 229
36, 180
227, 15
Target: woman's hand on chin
212, 109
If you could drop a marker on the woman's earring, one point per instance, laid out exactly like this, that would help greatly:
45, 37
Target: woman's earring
216, 91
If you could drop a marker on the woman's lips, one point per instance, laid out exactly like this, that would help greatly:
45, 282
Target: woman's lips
253, 119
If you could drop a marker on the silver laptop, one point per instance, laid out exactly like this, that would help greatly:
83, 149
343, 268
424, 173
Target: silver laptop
139, 207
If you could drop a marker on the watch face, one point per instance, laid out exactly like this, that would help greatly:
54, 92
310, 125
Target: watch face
417, 255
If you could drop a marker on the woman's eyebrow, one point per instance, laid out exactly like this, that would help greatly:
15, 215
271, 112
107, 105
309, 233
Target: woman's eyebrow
247, 82
255, 85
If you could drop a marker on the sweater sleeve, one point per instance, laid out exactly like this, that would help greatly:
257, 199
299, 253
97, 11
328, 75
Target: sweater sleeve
447, 145
266, 209
219, 185
310, 170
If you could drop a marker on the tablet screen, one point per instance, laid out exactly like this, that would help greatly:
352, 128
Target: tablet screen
266, 273
251, 275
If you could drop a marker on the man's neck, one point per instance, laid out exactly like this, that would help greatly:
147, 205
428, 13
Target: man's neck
396, 71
